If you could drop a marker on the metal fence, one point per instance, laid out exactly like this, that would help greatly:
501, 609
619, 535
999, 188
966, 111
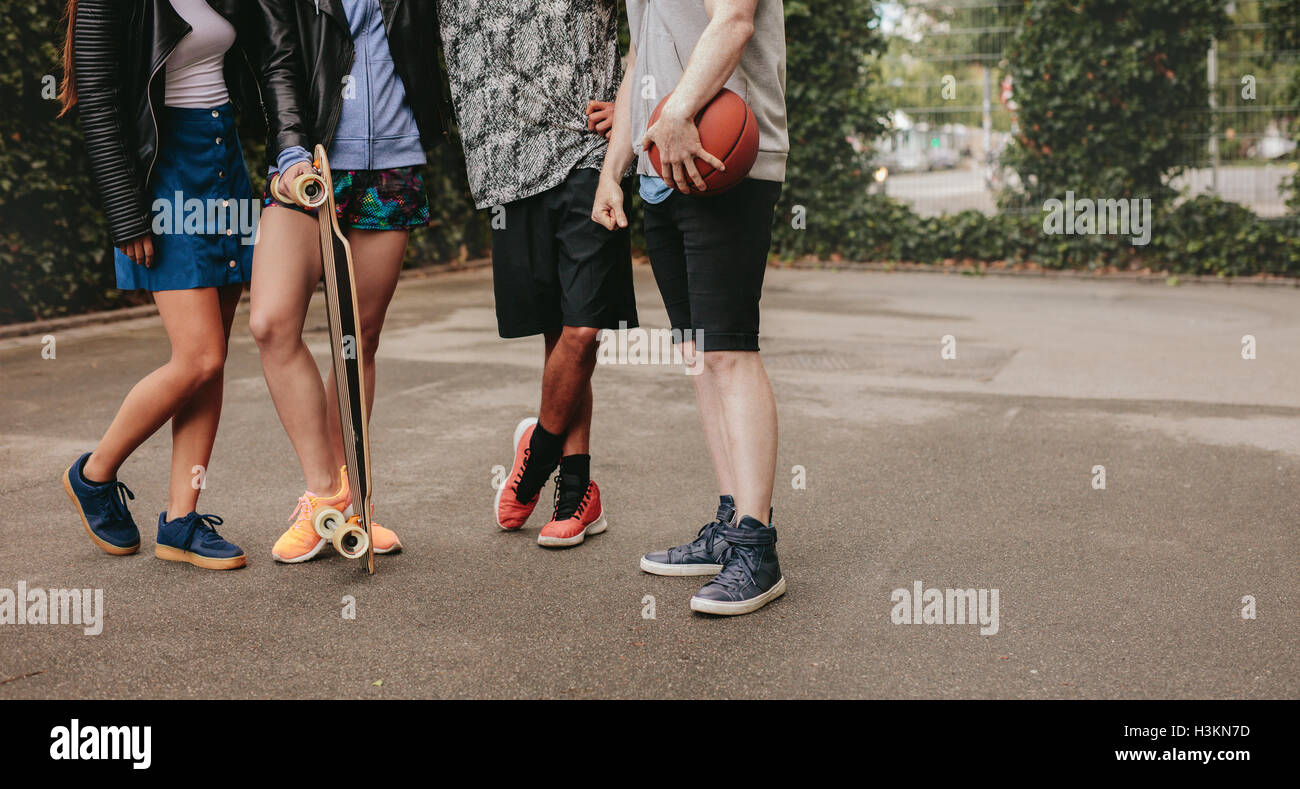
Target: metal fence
951, 118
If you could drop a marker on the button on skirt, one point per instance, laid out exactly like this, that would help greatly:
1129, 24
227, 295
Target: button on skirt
203, 213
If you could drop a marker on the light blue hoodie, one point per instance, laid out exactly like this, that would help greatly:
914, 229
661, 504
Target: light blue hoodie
376, 129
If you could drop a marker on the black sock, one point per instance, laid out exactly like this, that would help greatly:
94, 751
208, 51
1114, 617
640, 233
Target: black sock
544, 450
577, 466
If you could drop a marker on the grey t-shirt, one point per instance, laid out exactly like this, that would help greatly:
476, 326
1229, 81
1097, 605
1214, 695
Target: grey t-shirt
521, 75
665, 33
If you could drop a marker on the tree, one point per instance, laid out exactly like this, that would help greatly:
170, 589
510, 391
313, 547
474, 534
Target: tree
833, 116
1112, 95
1282, 35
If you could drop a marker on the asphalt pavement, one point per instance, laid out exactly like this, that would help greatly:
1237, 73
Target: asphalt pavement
896, 466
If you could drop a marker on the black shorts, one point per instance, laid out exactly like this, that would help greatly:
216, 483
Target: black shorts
552, 266
709, 254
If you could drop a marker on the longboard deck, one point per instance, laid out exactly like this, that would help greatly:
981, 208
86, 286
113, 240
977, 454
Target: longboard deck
343, 314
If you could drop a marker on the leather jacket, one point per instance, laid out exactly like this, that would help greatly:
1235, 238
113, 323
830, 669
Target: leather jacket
119, 52
309, 52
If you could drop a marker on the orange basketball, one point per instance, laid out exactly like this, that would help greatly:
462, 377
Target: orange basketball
729, 131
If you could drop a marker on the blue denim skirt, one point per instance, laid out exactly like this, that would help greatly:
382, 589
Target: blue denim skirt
203, 213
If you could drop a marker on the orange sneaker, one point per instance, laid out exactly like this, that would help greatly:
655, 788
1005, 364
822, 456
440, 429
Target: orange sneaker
384, 540
301, 542
578, 513
510, 512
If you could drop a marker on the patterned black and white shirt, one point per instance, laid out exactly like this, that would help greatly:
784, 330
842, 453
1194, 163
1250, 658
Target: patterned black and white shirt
521, 75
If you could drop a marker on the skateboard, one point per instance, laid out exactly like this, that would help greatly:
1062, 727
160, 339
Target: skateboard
351, 536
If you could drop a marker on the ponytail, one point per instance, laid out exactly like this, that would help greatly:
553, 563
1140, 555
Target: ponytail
68, 88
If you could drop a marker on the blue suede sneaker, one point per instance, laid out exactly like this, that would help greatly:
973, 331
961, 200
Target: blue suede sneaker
194, 539
103, 511
751, 575
703, 556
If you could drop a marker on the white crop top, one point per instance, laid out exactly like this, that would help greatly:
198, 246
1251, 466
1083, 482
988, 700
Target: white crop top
194, 68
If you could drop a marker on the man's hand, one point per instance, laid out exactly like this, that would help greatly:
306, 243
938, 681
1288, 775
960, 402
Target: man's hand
140, 250
600, 117
289, 176
607, 210
679, 146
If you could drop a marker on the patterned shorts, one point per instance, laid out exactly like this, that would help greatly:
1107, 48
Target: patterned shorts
391, 199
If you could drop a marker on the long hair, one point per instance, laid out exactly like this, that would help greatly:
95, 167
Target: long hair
68, 88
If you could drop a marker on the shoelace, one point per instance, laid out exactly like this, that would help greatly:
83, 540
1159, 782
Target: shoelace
118, 494
523, 466
736, 574
569, 502
708, 532
203, 523
747, 554
303, 508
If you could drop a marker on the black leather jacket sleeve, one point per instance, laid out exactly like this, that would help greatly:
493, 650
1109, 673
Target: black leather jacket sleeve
277, 63
96, 36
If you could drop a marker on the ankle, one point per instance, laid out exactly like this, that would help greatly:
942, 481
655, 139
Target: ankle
96, 473
177, 510
324, 486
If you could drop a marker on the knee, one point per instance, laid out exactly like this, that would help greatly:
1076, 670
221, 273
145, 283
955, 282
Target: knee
270, 332
211, 364
203, 366
721, 363
581, 339
369, 342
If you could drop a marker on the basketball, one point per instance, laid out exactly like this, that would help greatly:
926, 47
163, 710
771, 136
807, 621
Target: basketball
729, 131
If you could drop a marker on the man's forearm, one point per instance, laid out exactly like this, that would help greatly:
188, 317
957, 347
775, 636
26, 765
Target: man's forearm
715, 58
619, 154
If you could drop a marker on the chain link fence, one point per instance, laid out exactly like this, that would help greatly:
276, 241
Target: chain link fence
952, 108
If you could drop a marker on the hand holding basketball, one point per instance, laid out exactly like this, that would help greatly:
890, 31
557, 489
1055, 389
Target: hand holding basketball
723, 136
676, 141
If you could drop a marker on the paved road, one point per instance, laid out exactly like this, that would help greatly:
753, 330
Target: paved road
950, 191
973, 472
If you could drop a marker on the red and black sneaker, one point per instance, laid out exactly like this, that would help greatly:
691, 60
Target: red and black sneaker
578, 513
510, 511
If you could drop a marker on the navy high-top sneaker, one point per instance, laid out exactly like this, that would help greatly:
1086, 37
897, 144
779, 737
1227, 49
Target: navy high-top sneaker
703, 556
751, 575
103, 510
194, 539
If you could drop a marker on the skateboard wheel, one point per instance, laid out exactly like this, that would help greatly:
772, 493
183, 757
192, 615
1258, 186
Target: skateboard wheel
308, 189
326, 522
351, 540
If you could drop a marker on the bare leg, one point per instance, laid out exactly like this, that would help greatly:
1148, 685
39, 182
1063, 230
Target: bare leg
194, 323
194, 426
711, 417
566, 385
377, 255
749, 416
286, 268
